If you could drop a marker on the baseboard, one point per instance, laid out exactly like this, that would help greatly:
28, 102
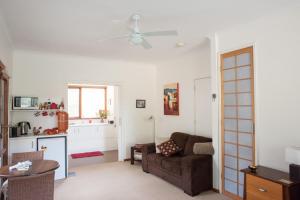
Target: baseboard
216, 190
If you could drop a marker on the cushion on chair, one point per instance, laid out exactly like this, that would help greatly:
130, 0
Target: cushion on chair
168, 148
203, 148
159, 140
188, 150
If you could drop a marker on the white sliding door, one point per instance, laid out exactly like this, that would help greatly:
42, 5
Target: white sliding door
237, 119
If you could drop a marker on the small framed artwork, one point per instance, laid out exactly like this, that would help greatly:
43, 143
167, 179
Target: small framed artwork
171, 99
140, 103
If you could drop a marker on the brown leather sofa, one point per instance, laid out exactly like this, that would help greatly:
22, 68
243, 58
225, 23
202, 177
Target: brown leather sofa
192, 173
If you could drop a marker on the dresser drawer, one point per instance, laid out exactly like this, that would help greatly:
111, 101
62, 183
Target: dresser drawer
262, 189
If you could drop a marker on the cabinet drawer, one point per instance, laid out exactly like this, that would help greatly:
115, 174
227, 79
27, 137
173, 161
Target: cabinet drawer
261, 189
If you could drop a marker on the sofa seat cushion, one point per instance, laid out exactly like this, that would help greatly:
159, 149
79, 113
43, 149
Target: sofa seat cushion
188, 150
172, 165
155, 159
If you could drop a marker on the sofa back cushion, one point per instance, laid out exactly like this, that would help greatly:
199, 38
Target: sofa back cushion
180, 139
192, 139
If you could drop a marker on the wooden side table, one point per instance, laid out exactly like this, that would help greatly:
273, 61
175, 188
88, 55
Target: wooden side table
267, 183
135, 149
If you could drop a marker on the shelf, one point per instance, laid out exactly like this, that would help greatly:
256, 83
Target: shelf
49, 110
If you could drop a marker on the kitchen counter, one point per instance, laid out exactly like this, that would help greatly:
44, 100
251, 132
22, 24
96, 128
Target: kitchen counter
88, 124
38, 136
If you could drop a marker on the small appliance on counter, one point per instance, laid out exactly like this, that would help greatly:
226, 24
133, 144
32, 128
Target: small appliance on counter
24, 126
15, 131
25, 103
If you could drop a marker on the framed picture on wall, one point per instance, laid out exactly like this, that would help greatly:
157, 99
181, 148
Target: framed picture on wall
171, 99
140, 103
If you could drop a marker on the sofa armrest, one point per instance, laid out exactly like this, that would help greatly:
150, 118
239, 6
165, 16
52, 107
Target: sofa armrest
197, 173
147, 149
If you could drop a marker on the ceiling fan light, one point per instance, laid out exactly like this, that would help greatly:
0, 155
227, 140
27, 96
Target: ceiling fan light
136, 40
180, 44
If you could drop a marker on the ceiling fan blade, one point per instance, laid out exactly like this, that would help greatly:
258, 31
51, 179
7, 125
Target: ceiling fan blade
161, 33
115, 38
146, 44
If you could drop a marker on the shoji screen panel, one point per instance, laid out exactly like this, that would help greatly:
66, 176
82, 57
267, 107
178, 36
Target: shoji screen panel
237, 118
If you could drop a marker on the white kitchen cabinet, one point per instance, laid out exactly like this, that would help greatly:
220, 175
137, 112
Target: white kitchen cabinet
85, 138
22, 144
55, 149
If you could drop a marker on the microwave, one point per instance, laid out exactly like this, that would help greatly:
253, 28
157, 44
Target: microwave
25, 103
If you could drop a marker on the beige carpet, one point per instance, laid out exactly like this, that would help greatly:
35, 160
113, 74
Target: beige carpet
120, 181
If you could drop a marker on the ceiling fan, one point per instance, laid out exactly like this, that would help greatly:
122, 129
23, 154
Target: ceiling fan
137, 37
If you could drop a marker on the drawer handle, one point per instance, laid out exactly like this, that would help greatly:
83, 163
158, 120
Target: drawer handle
262, 190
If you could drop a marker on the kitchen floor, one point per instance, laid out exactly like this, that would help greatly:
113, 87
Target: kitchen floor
109, 156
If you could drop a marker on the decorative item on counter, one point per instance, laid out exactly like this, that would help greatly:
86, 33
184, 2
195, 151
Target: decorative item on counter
62, 121
45, 106
41, 106
45, 113
37, 131
53, 106
48, 104
61, 106
51, 114
252, 168
37, 113
103, 115
52, 131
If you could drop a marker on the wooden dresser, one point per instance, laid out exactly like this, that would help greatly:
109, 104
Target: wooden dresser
269, 184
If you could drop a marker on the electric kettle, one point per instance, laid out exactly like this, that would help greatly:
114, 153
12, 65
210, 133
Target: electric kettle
25, 126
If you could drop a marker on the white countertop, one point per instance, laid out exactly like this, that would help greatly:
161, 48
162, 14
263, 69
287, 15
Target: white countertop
88, 124
38, 136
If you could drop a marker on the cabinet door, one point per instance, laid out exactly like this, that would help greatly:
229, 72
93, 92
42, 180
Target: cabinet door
72, 141
110, 140
55, 149
19, 145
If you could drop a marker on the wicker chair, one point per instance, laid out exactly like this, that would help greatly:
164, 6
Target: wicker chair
37, 187
20, 157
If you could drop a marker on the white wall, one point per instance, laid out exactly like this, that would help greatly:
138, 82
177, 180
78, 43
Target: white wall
47, 75
184, 70
277, 40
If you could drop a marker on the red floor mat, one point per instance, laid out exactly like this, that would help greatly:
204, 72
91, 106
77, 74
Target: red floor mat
86, 154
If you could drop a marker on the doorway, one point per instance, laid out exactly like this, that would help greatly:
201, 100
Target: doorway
94, 127
237, 104
4, 95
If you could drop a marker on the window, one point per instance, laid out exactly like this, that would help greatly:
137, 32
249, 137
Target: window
84, 102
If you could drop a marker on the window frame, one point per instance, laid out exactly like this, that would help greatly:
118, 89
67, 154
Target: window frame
80, 87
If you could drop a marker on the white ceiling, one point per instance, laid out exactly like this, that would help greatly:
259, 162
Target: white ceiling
75, 26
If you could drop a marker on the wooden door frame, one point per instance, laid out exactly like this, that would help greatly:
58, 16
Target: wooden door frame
5, 127
248, 49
